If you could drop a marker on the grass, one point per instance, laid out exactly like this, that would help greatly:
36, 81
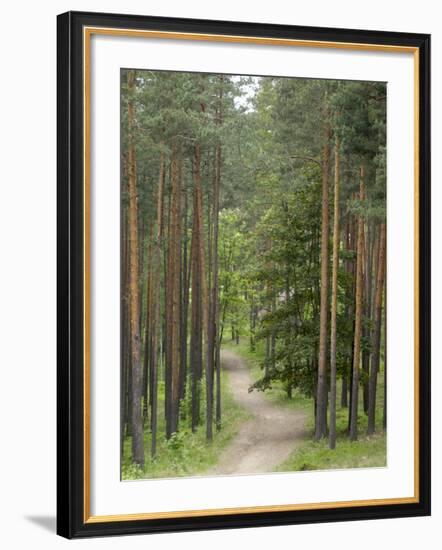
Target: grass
186, 453
276, 393
310, 455
189, 454
367, 452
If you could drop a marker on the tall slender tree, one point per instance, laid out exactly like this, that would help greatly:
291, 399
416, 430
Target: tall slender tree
173, 293
215, 290
196, 333
156, 302
376, 333
353, 433
334, 300
321, 396
137, 424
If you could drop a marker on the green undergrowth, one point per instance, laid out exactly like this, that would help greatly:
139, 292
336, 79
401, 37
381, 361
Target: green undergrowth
185, 453
277, 393
366, 452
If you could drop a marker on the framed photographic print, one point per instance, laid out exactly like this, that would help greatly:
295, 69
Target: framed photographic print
243, 274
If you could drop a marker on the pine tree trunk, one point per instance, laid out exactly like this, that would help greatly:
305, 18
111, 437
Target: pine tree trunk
210, 347
196, 334
358, 317
147, 329
173, 303
321, 407
184, 295
252, 322
267, 357
344, 392
215, 290
345, 374
351, 310
125, 338
137, 424
156, 313
376, 334
168, 318
366, 331
334, 303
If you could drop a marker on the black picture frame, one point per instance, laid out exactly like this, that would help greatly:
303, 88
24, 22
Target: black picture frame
71, 520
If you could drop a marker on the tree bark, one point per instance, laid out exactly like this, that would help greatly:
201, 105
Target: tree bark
334, 303
196, 335
184, 293
125, 335
376, 334
358, 316
321, 407
351, 309
210, 347
156, 302
252, 322
147, 329
173, 284
137, 424
366, 330
345, 374
216, 312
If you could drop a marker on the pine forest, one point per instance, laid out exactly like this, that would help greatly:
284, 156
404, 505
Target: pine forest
253, 274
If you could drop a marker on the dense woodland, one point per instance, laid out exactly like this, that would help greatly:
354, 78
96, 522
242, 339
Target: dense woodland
253, 208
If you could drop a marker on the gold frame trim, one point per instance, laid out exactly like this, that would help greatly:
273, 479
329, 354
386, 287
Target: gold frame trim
87, 33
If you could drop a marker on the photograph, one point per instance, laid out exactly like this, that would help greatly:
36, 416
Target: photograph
243, 270
221, 232
253, 230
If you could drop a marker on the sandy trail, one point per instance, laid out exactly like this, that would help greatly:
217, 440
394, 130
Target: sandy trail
268, 438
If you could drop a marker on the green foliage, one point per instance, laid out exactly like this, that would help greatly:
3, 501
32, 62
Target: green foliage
310, 455
367, 452
185, 453
276, 392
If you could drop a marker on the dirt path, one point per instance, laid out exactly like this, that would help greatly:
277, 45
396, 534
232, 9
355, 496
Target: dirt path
268, 438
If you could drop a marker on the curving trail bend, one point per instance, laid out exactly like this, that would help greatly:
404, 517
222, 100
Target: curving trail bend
265, 440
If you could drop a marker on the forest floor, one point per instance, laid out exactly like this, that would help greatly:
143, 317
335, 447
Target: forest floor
305, 453
261, 431
268, 437
186, 453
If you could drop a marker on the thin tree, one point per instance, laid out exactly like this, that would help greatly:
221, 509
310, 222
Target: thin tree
196, 332
347, 267
156, 301
376, 334
125, 339
216, 308
358, 316
147, 328
210, 344
321, 396
137, 423
334, 302
184, 290
173, 295
369, 246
